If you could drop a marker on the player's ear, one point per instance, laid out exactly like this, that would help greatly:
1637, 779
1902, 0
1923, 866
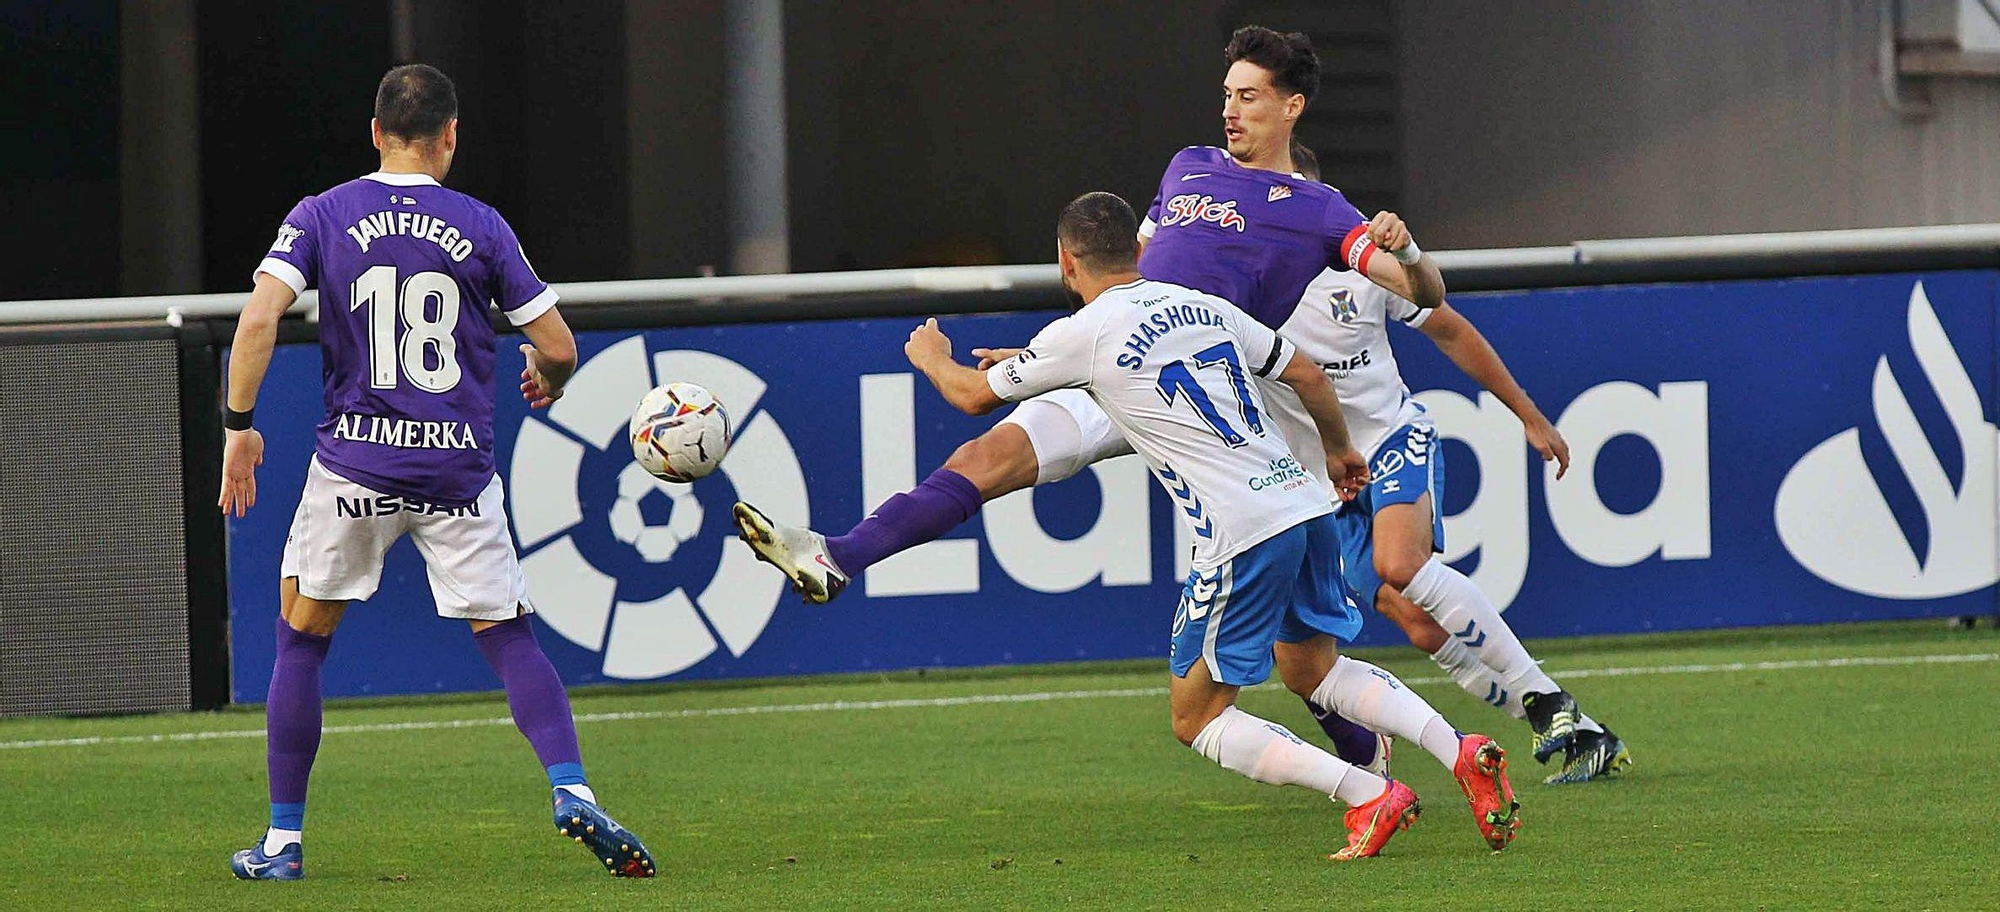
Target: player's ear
375, 132
1295, 104
450, 135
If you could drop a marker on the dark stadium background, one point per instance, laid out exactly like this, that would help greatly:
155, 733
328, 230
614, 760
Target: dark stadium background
944, 133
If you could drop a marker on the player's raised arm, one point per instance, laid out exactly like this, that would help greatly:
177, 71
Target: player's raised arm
1407, 271
1467, 347
929, 350
249, 358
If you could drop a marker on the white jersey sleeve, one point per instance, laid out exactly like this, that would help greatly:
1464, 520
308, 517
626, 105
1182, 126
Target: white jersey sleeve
1399, 308
1264, 351
1058, 358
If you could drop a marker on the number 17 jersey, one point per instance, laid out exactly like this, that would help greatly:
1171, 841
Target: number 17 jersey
406, 269
1174, 369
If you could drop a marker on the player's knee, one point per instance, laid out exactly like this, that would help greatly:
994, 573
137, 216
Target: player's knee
1301, 670
1188, 725
996, 463
1398, 568
1423, 630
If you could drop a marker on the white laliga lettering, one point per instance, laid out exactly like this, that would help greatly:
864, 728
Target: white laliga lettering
1675, 524
889, 466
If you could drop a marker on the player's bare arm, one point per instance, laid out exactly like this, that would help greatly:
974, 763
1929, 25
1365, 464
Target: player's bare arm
249, 357
929, 350
1467, 347
551, 355
1316, 392
1408, 272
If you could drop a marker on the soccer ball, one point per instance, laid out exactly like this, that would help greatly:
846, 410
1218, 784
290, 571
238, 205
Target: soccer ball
679, 432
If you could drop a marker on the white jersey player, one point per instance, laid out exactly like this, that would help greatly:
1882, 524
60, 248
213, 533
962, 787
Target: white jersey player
1175, 370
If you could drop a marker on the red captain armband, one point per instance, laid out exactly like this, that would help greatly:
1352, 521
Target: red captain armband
1357, 247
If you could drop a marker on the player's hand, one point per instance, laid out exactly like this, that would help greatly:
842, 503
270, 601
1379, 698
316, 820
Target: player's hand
927, 345
991, 356
1388, 232
534, 386
1350, 473
1549, 442
242, 453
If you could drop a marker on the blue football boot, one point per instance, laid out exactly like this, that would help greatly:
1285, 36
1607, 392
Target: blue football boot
253, 864
585, 822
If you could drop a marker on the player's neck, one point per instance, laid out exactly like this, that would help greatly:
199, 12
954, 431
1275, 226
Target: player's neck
1279, 161
1088, 287
412, 163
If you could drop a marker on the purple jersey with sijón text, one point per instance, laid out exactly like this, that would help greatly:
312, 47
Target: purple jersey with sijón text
1254, 238
405, 270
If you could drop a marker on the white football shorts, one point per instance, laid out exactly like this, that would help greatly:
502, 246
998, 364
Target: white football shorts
342, 530
1069, 431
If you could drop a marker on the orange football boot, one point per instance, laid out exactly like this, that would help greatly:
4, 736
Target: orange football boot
1370, 825
1481, 772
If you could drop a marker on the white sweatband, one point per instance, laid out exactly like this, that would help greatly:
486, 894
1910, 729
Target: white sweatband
1410, 253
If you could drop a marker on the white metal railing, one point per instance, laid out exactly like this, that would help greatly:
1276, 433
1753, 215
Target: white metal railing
941, 280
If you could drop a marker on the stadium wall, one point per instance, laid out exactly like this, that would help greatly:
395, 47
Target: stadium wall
1748, 452
1707, 118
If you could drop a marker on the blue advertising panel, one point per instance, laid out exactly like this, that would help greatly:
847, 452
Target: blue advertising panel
1746, 453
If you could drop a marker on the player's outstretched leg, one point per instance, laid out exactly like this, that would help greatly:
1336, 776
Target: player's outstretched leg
541, 711
997, 462
1374, 697
292, 710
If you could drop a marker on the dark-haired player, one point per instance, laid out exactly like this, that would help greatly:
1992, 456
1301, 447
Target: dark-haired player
1171, 368
406, 271
1341, 323
1236, 223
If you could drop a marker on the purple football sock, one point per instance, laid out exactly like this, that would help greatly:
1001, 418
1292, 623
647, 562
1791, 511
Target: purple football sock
535, 695
291, 721
1351, 742
907, 520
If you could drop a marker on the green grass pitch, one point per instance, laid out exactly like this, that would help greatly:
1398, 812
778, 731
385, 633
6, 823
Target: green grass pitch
1810, 782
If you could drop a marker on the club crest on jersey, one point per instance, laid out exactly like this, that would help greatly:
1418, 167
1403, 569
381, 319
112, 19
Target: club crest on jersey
1192, 207
286, 235
1278, 192
1344, 308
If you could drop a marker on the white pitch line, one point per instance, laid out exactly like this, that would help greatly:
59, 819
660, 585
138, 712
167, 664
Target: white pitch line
978, 699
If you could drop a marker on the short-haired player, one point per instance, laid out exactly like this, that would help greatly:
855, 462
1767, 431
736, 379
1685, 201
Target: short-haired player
406, 271
1171, 367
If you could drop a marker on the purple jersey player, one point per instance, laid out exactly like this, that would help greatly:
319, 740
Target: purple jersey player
1237, 223
406, 271
1249, 235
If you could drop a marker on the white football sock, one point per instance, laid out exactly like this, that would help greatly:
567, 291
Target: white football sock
1267, 752
1375, 698
275, 840
1467, 615
1474, 677
1586, 723
581, 791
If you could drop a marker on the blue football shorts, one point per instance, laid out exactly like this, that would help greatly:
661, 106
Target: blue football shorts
1286, 588
1408, 465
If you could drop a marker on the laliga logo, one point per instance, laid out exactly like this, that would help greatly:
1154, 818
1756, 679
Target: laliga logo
1831, 513
618, 582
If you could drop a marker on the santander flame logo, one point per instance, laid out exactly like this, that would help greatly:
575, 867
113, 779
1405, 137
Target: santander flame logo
1834, 519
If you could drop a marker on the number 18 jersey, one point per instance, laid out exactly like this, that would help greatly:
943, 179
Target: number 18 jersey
406, 269
1173, 369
